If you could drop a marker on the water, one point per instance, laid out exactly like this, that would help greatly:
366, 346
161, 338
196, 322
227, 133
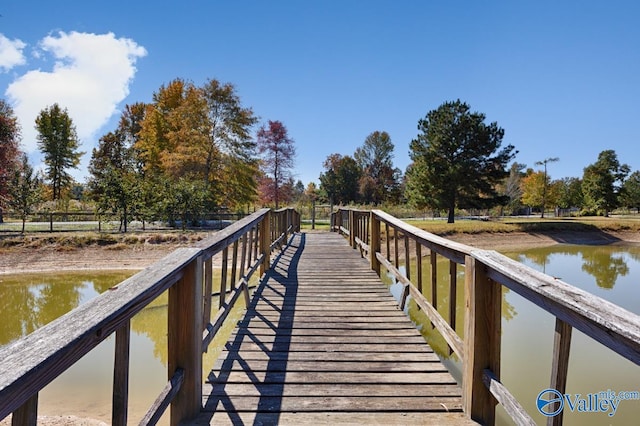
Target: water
611, 272
30, 301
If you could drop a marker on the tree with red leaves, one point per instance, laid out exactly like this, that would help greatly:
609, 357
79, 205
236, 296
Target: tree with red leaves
278, 152
10, 153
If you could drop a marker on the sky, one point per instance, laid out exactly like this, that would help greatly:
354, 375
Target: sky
561, 78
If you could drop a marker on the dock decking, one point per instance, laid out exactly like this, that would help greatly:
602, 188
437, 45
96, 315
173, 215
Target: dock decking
325, 342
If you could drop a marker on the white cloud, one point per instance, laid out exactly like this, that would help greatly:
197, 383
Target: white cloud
11, 53
90, 77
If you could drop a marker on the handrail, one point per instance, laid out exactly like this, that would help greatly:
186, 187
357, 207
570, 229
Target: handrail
486, 271
32, 362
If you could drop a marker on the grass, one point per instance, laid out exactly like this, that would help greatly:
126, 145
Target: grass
533, 224
64, 241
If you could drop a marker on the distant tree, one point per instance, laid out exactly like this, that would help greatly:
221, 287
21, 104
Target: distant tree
299, 192
24, 190
10, 153
58, 141
538, 191
278, 153
570, 193
602, 182
203, 133
457, 160
631, 191
340, 179
380, 181
512, 187
113, 181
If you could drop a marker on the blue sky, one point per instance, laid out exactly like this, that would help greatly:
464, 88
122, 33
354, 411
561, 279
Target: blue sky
562, 78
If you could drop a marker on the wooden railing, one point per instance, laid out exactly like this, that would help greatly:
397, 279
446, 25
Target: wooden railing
389, 242
29, 364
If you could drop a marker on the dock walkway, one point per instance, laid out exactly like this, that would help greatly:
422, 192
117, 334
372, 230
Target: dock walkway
324, 342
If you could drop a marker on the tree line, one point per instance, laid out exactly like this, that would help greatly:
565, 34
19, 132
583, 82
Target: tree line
459, 163
192, 150
189, 151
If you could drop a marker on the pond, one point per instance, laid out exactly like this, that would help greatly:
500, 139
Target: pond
611, 272
30, 301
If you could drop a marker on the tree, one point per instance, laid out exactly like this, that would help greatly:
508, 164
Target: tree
58, 141
340, 180
24, 190
546, 180
457, 160
513, 188
9, 150
202, 133
631, 191
570, 193
531, 186
278, 152
602, 181
380, 181
113, 182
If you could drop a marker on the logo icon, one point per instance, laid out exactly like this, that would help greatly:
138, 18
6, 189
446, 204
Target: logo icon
547, 400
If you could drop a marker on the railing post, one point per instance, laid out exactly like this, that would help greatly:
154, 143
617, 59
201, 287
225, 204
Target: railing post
374, 247
185, 341
483, 302
119, 409
265, 242
352, 228
27, 414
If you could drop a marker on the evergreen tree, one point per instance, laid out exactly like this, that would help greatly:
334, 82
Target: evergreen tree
58, 142
457, 160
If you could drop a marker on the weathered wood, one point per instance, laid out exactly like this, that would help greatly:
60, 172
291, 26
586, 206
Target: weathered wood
483, 304
265, 244
603, 321
559, 365
27, 414
449, 334
504, 397
346, 342
333, 418
208, 292
223, 277
34, 361
119, 408
163, 400
434, 278
185, 341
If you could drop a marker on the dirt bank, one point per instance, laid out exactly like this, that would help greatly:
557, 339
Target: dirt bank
138, 256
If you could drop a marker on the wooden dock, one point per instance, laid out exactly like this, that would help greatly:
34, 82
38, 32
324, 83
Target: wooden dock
325, 343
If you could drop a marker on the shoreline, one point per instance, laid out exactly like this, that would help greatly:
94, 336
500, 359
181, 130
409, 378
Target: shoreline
23, 260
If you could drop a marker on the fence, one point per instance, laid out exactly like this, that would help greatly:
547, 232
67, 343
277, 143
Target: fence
32, 362
388, 241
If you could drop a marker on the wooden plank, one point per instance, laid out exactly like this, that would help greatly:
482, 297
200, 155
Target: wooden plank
335, 389
120, 395
313, 343
559, 366
333, 418
337, 403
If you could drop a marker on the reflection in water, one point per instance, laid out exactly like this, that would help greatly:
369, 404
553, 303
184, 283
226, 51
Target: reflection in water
604, 263
609, 272
29, 301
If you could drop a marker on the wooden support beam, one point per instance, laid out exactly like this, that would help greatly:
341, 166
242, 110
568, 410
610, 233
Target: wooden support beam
185, 341
483, 303
120, 397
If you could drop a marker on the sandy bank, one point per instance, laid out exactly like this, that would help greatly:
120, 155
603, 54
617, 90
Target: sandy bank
137, 257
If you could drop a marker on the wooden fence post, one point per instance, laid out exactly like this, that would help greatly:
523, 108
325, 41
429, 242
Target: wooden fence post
374, 247
265, 242
483, 303
27, 414
352, 229
185, 341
